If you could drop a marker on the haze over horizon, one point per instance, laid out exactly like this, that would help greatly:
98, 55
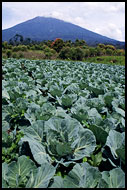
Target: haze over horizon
105, 18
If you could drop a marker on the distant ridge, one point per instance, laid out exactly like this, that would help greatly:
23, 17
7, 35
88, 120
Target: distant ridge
47, 28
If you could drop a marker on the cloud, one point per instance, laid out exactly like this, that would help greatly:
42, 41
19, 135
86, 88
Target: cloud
112, 31
111, 7
94, 16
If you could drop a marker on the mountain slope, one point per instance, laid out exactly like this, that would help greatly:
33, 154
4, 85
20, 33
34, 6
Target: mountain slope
42, 28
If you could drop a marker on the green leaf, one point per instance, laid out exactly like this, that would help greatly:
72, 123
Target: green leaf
4, 184
108, 98
35, 131
97, 158
114, 178
121, 153
63, 149
80, 110
94, 116
120, 111
82, 176
5, 94
42, 176
66, 137
57, 183
84, 159
68, 99
100, 134
86, 144
55, 90
35, 113
18, 171
34, 136
4, 171
115, 140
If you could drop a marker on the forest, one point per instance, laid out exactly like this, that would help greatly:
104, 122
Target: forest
19, 47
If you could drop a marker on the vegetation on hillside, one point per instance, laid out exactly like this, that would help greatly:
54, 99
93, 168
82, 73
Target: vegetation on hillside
18, 47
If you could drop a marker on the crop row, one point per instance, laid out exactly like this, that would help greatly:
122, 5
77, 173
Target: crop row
63, 124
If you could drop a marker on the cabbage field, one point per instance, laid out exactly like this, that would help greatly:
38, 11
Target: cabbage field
63, 124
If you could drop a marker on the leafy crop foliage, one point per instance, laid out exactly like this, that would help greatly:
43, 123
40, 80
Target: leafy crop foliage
63, 124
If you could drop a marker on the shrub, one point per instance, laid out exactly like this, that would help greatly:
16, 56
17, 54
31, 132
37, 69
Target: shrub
57, 44
101, 46
9, 46
44, 47
32, 47
76, 54
48, 55
19, 48
85, 47
120, 52
4, 56
49, 52
28, 46
16, 48
110, 47
65, 53
14, 55
79, 54
86, 53
47, 49
3, 50
68, 43
5, 44
21, 55
109, 51
92, 52
37, 47
23, 47
103, 52
9, 53
79, 42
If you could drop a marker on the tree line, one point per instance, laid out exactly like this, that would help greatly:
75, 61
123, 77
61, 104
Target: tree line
58, 48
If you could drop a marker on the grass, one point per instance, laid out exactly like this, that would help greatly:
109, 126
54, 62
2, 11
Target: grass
39, 54
112, 60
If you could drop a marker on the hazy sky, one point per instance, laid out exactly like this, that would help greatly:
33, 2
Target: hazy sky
106, 18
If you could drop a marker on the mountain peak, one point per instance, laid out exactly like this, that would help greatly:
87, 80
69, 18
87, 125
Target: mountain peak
48, 28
